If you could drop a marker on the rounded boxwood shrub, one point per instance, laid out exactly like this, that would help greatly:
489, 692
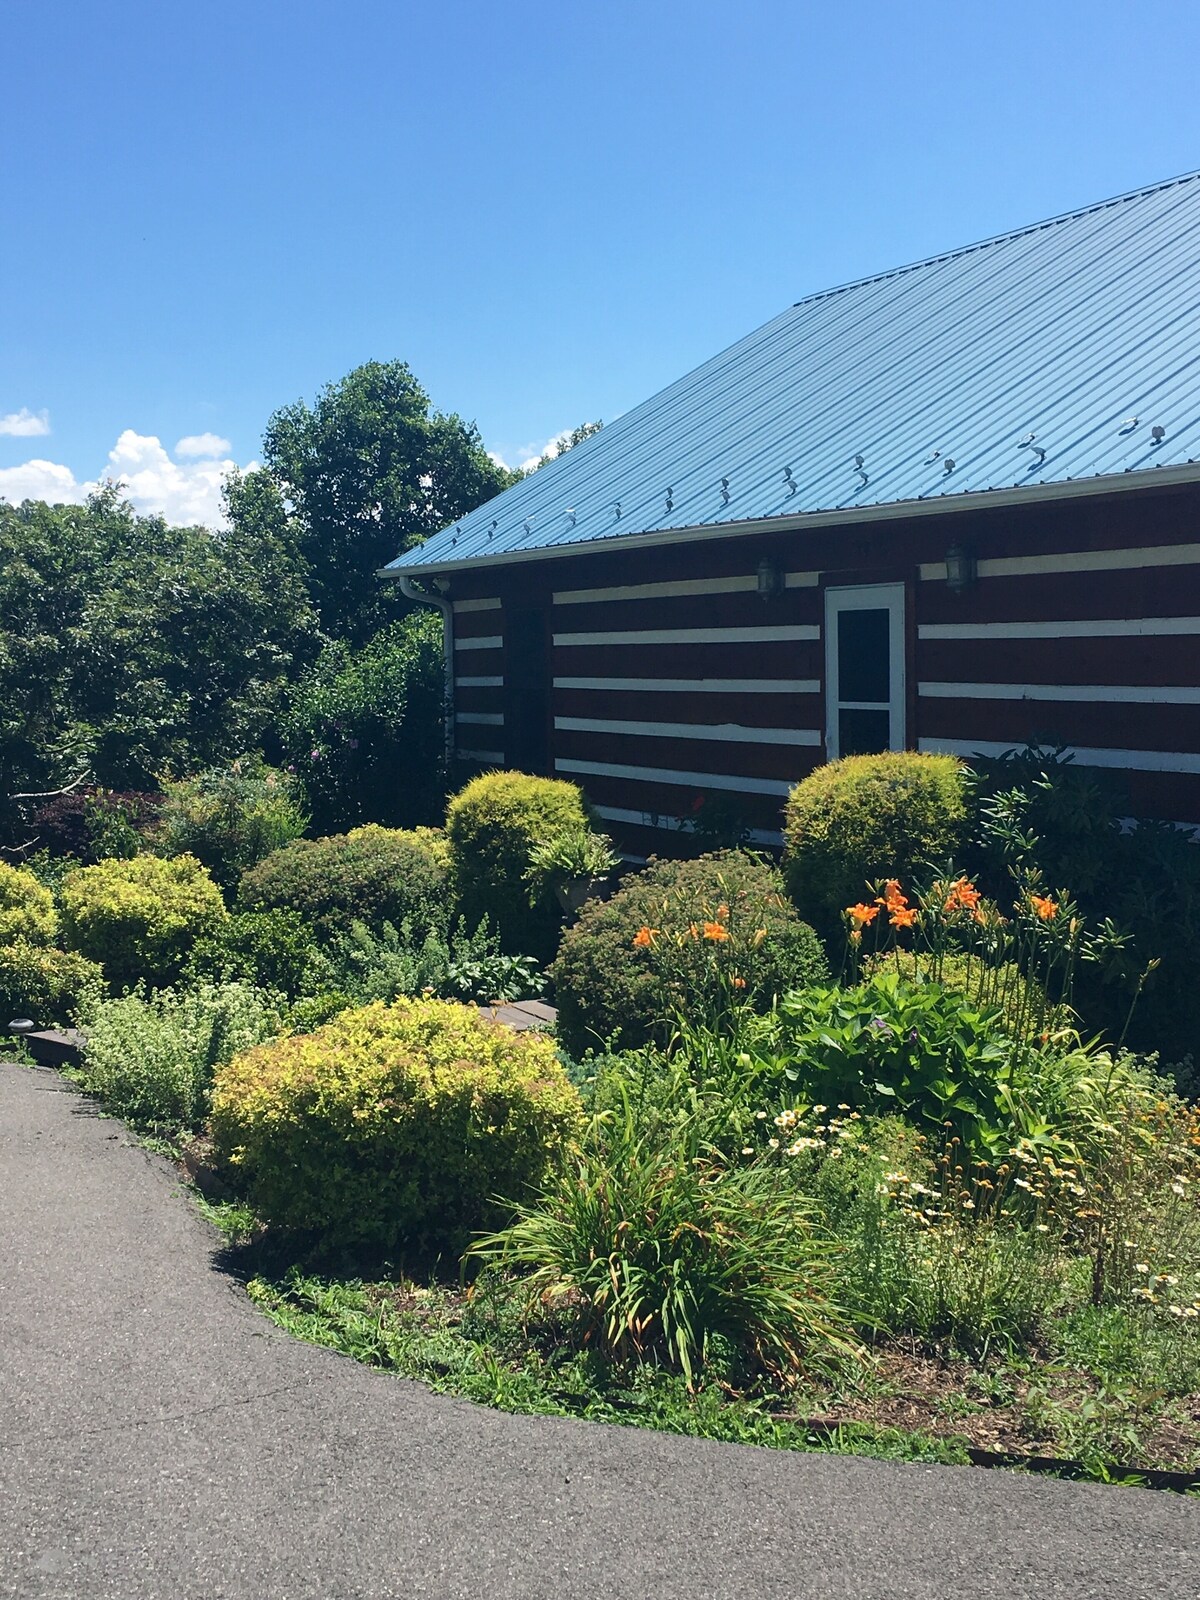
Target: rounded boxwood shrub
606, 986
47, 986
26, 908
492, 827
372, 875
869, 817
394, 1126
140, 918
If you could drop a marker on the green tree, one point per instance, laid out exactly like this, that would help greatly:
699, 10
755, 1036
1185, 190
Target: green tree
364, 732
368, 470
129, 647
564, 442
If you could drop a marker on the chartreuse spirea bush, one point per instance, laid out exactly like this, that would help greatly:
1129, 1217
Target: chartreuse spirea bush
26, 908
139, 918
493, 827
682, 937
372, 875
150, 1057
394, 1127
48, 986
864, 818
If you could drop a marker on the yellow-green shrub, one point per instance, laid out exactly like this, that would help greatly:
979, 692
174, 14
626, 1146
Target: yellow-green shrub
492, 826
869, 817
396, 1126
47, 986
26, 908
140, 918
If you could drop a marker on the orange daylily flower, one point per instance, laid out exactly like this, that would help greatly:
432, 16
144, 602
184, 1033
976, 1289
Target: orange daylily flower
644, 938
1045, 907
862, 915
739, 983
715, 931
722, 913
893, 897
963, 896
903, 917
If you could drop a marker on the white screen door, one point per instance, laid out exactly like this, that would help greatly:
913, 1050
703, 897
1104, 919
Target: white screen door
864, 669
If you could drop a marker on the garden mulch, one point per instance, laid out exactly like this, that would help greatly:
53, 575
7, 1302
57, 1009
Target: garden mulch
159, 1437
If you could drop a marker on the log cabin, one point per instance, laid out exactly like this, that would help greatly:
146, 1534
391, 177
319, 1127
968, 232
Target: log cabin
951, 507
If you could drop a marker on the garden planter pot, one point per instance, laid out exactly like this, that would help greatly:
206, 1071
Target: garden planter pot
574, 891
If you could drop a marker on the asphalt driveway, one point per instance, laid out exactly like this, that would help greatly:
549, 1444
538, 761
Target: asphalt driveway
159, 1438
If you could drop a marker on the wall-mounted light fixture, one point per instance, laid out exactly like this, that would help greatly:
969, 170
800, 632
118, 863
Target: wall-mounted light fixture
961, 568
770, 578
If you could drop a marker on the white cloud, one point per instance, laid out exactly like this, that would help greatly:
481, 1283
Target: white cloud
203, 444
25, 424
181, 491
40, 480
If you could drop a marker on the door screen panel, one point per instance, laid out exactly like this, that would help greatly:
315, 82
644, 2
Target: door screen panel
864, 670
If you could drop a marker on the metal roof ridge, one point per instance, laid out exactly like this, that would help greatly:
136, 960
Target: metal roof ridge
996, 238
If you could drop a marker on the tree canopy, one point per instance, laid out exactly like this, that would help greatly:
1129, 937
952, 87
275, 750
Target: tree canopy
130, 648
369, 469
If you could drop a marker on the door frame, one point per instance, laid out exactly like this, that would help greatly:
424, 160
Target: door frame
892, 597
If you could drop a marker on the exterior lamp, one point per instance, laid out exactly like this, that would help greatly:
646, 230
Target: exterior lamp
770, 578
961, 569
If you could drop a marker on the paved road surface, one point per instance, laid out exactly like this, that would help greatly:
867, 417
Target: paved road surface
159, 1438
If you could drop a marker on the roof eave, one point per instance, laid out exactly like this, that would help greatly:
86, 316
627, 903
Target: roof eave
890, 511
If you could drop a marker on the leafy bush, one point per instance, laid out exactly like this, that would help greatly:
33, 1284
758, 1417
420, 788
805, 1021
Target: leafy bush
1003, 989
230, 817
386, 964
274, 949
371, 875
140, 918
364, 731
1035, 808
26, 908
606, 983
150, 1058
47, 986
869, 817
394, 1126
92, 823
888, 1045
660, 1252
493, 827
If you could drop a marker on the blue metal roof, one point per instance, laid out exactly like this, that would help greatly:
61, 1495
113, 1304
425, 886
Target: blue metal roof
1035, 358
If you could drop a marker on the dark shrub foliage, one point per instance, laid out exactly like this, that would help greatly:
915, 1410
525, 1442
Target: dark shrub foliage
371, 875
88, 822
604, 986
230, 817
274, 949
365, 733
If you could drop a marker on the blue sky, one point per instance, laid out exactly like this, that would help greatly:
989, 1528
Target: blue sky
549, 211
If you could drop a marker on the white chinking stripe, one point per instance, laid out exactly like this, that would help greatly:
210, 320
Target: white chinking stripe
744, 583
1127, 760
1097, 693
692, 685
685, 780
462, 607
728, 732
711, 636
1154, 555
487, 719
490, 641
1097, 628
496, 682
649, 819
485, 758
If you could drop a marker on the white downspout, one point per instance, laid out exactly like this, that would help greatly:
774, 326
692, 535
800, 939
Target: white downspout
422, 596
